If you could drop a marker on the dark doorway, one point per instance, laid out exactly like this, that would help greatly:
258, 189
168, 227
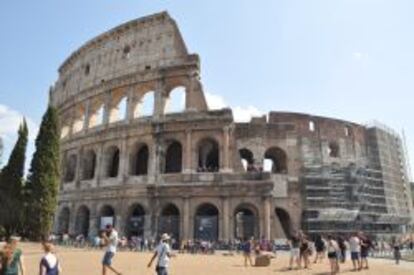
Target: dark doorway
206, 223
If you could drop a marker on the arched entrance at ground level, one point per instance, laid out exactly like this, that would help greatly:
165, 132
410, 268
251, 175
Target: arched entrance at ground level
107, 216
246, 223
169, 221
82, 221
206, 223
136, 221
285, 221
63, 221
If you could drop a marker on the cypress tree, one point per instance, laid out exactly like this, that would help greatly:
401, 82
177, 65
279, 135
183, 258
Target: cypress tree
43, 182
11, 184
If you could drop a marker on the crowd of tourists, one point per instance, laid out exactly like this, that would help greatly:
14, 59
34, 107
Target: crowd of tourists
304, 251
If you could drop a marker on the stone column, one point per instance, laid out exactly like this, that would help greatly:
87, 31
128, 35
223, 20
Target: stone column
225, 167
123, 161
225, 235
266, 218
186, 220
131, 103
188, 152
72, 219
160, 96
78, 171
86, 115
100, 167
93, 220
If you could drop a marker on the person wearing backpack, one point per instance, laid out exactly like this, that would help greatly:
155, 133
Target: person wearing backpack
49, 264
163, 252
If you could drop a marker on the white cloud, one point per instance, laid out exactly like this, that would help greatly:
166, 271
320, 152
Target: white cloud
9, 123
240, 113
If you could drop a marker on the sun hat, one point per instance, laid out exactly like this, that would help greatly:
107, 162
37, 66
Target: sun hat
165, 237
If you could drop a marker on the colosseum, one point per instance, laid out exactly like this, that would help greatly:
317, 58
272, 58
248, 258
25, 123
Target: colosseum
130, 160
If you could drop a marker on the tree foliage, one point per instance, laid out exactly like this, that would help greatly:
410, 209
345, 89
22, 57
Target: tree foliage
42, 186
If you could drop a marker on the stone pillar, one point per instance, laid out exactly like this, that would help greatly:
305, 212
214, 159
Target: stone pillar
186, 220
107, 108
93, 220
160, 97
225, 166
72, 219
131, 103
225, 235
266, 218
78, 171
188, 152
123, 161
86, 115
100, 167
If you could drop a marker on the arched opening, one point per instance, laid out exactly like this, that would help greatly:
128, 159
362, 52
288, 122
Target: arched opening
112, 162
277, 159
176, 101
107, 216
119, 112
70, 168
169, 221
245, 222
312, 126
89, 165
206, 223
145, 106
136, 221
64, 131
139, 160
285, 221
82, 221
63, 221
173, 158
247, 159
333, 149
78, 124
96, 117
208, 156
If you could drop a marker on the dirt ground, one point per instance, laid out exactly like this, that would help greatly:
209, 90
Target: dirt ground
87, 262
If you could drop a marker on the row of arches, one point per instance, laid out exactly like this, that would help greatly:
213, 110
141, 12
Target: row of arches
206, 221
117, 109
275, 160
139, 157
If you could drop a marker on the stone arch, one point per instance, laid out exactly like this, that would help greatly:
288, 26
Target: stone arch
246, 221
247, 159
82, 221
96, 116
88, 165
64, 131
278, 159
334, 149
169, 221
79, 120
206, 222
285, 221
176, 101
208, 155
139, 160
118, 112
70, 168
106, 216
112, 156
135, 224
173, 157
145, 105
64, 220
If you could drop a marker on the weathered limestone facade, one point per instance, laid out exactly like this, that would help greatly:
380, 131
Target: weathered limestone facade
183, 173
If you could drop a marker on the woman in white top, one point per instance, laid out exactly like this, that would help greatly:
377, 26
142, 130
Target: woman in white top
333, 249
49, 264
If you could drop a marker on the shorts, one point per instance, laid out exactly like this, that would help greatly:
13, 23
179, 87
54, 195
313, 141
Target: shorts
161, 270
355, 256
107, 259
332, 255
295, 252
364, 254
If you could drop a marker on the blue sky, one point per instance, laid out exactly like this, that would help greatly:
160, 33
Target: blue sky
351, 59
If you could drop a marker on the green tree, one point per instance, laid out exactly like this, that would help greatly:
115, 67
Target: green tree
11, 184
42, 185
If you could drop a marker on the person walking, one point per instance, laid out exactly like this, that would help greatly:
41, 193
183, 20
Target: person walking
397, 250
294, 244
12, 262
320, 249
333, 250
365, 247
247, 248
110, 240
355, 248
163, 252
49, 264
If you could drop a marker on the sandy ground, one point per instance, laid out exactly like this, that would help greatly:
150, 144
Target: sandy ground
86, 262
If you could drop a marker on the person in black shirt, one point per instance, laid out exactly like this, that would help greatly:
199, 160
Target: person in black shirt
365, 247
320, 249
